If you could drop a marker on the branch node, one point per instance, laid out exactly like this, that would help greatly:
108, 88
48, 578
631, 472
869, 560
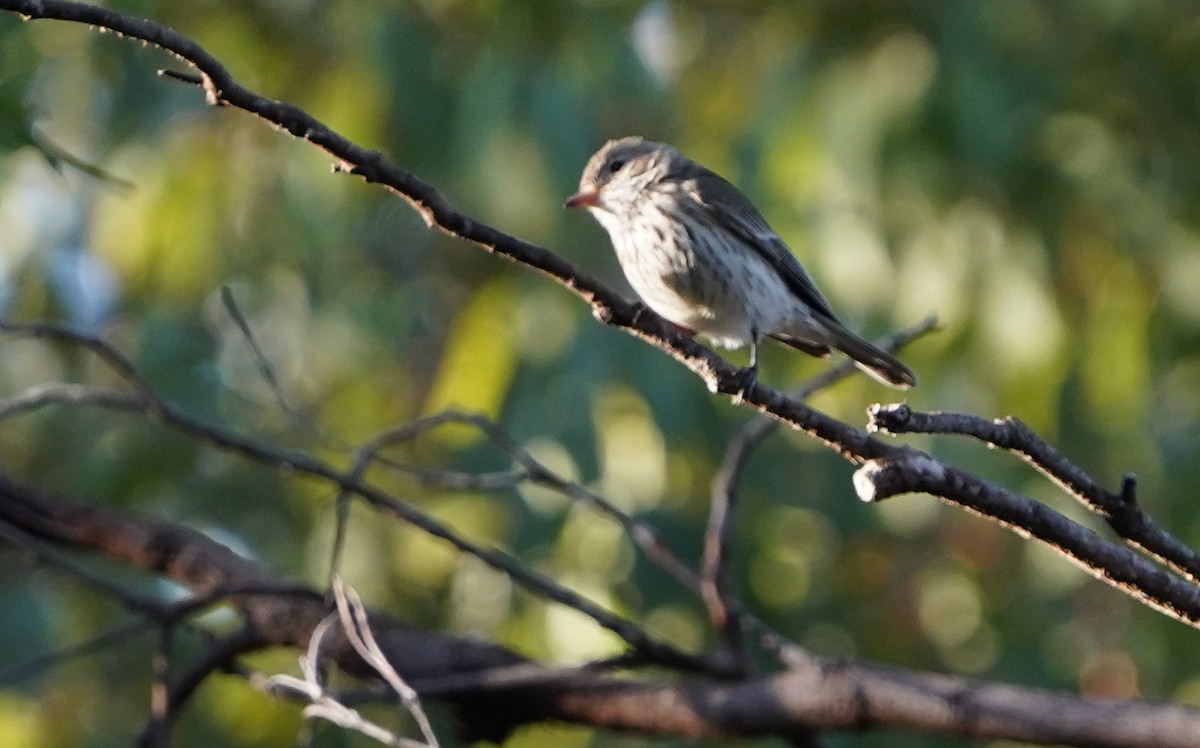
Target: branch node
865, 481
888, 419
1129, 489
712, 382
882, 479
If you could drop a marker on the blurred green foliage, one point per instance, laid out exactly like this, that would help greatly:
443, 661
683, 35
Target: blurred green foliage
1028, 171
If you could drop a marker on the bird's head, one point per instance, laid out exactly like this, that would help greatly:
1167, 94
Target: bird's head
617, 175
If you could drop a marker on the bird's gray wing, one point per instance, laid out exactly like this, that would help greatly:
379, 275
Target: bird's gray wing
737, 214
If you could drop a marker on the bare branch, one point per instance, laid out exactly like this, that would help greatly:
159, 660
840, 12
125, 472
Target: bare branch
643, 535
265, 369
158, 725
1117, 566
176, 691
843, 697
117, 634
854, 444
107, 353
723, 494
170, 415
507, 691
63, 393
357, 628
1119, 510
606, 304
322, 705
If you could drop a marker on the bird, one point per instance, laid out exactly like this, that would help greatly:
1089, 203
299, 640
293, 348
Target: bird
698, 253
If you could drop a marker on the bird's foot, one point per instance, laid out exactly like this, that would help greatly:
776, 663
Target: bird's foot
639, 312
744, 380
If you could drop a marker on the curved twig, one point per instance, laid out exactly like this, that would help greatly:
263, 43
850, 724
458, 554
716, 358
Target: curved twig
169, 414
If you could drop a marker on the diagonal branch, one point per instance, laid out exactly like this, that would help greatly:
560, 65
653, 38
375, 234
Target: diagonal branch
723, 494
1119, 510
607, 305
856, 445
650, 649
1113, 564
643, 535
834, 695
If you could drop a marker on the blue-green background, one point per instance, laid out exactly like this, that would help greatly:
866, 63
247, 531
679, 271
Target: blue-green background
1027, 171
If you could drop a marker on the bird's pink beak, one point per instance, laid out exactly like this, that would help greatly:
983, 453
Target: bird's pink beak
583, 199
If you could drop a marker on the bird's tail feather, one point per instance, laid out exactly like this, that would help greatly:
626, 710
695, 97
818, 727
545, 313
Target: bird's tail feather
813, 349
879, 364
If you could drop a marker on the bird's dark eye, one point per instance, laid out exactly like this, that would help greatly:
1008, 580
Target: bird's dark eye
615, 165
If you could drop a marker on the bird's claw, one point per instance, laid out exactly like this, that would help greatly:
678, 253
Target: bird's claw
639, 312
744, 380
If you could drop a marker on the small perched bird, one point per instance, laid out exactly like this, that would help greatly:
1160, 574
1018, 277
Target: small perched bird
698, 252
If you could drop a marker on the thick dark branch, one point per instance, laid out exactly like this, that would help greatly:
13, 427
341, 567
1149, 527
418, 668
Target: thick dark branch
283, 613
1119, 510
491, 702
1113, 564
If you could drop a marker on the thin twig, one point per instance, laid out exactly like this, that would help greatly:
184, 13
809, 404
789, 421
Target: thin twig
175, 692
65, 393
357, 627
723, 495
156, 733
643, 535
651, 649
265, 369
323, 705
117, 634
121, 365
57, 155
